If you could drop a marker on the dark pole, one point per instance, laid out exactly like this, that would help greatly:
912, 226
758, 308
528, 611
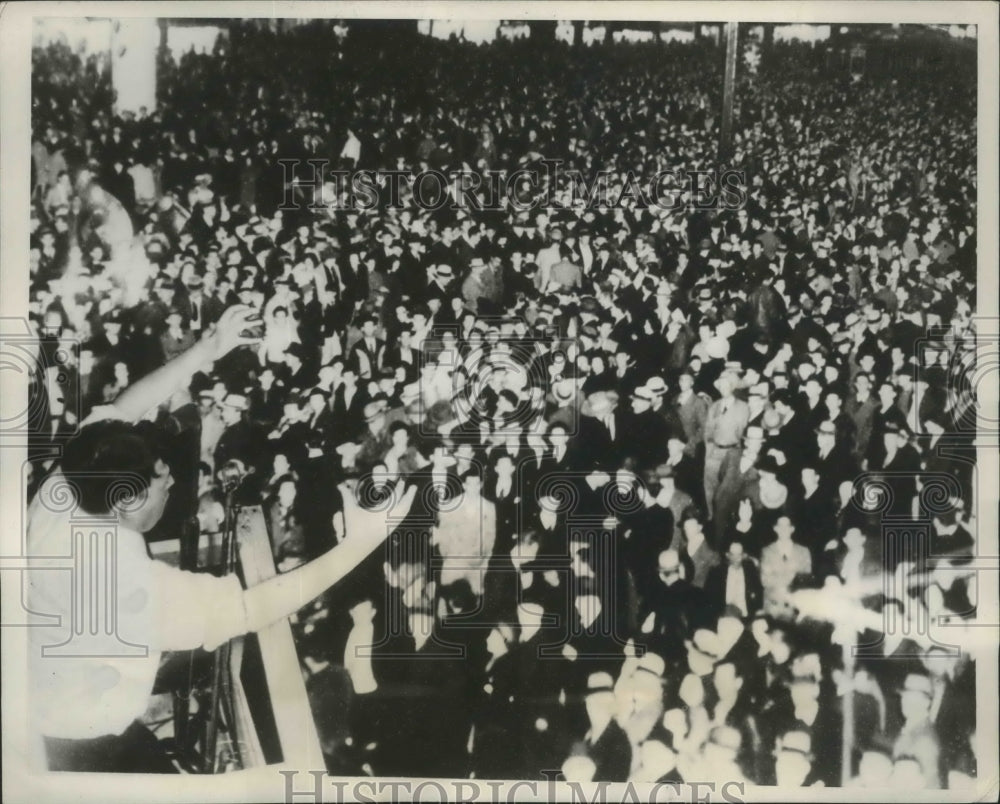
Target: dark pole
726, 134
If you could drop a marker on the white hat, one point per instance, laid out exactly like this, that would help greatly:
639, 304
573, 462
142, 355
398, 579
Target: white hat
236, 401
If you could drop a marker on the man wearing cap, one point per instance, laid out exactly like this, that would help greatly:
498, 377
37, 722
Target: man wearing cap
645, 433
596, 444
918, 737
604, 742
899, 466
793, 759
441, 283
375, 441
241, 439
725, 424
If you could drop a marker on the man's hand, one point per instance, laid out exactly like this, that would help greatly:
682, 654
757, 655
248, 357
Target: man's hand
230, 331
360, 523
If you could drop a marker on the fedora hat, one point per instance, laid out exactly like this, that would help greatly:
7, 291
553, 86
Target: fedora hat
600, 682
656, 385
798, 742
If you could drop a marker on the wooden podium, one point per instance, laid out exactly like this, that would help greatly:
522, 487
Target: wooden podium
272, 719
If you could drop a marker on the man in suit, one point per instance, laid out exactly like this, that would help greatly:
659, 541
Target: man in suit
376, 439
735, 583
696, 553
671, 497
265, 399
832, 460
794, 439
724, 427
781, 562
349, 402
646, 433
242, 439
737, 482
918, 737
672, 610
605, 742
596, 444
368, 353
692, 412
200, 311
900, 463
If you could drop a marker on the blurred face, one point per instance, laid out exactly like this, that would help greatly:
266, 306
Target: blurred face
727, 682
472, 485
281, 466
400, 439
809, 477
558, 436
600, 706
286, 493
52, 324
640, 405
692, 528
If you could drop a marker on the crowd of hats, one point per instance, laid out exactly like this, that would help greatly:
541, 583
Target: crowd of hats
856, 240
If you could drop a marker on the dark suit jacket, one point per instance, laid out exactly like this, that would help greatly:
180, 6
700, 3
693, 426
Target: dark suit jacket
612, 754
715, 586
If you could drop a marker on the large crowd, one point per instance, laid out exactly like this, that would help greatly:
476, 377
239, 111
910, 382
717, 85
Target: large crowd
670, 462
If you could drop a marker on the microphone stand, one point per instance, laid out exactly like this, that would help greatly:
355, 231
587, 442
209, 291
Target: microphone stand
221, 658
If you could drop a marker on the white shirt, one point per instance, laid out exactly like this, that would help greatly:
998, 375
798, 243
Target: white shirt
357, 658
736, 589
96, 678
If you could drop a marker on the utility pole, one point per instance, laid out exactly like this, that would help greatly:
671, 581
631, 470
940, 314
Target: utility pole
726, 134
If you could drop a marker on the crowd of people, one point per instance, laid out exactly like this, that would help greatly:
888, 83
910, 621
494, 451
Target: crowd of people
669, 461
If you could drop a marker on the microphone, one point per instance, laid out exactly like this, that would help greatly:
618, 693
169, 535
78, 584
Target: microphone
232, 475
